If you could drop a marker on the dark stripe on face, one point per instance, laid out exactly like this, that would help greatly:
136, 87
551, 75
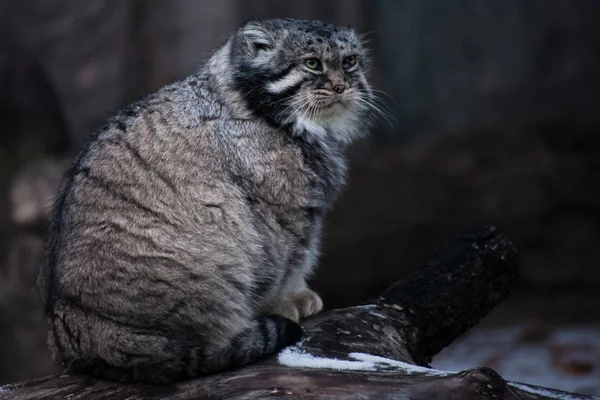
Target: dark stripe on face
278, 75
360, 86
252, 84
321, 80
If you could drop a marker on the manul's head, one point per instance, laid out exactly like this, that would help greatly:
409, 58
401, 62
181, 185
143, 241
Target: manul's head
306, 75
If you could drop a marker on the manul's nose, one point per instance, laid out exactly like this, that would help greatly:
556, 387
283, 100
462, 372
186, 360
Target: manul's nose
339, 89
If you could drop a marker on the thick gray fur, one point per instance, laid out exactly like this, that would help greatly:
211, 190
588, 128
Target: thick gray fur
184, 231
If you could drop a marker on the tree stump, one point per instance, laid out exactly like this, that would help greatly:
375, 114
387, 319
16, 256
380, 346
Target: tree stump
377, 350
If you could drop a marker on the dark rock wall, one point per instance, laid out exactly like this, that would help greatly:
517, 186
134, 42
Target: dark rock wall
467, 64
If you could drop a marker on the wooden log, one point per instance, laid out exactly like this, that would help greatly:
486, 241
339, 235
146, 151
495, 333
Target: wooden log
378, 350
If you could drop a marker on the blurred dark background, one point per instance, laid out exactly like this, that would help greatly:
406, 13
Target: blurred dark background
496, 105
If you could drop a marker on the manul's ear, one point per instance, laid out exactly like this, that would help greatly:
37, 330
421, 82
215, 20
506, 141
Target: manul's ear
257, 38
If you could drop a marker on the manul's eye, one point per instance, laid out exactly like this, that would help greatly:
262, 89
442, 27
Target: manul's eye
349, 62
313, 64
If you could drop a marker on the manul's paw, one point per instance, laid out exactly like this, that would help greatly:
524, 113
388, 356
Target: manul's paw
288, 309
307, 302
300, 305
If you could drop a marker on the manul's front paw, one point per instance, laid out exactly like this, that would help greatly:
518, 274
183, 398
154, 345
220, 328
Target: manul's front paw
300, 305
308, 303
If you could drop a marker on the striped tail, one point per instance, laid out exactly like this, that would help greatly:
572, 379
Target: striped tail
88, 343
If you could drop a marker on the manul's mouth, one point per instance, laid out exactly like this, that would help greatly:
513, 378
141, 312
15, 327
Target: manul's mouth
343, 101
333, 103
332, 108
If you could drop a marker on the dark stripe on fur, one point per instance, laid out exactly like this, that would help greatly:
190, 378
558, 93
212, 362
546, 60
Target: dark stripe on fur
146, 166
107, 187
